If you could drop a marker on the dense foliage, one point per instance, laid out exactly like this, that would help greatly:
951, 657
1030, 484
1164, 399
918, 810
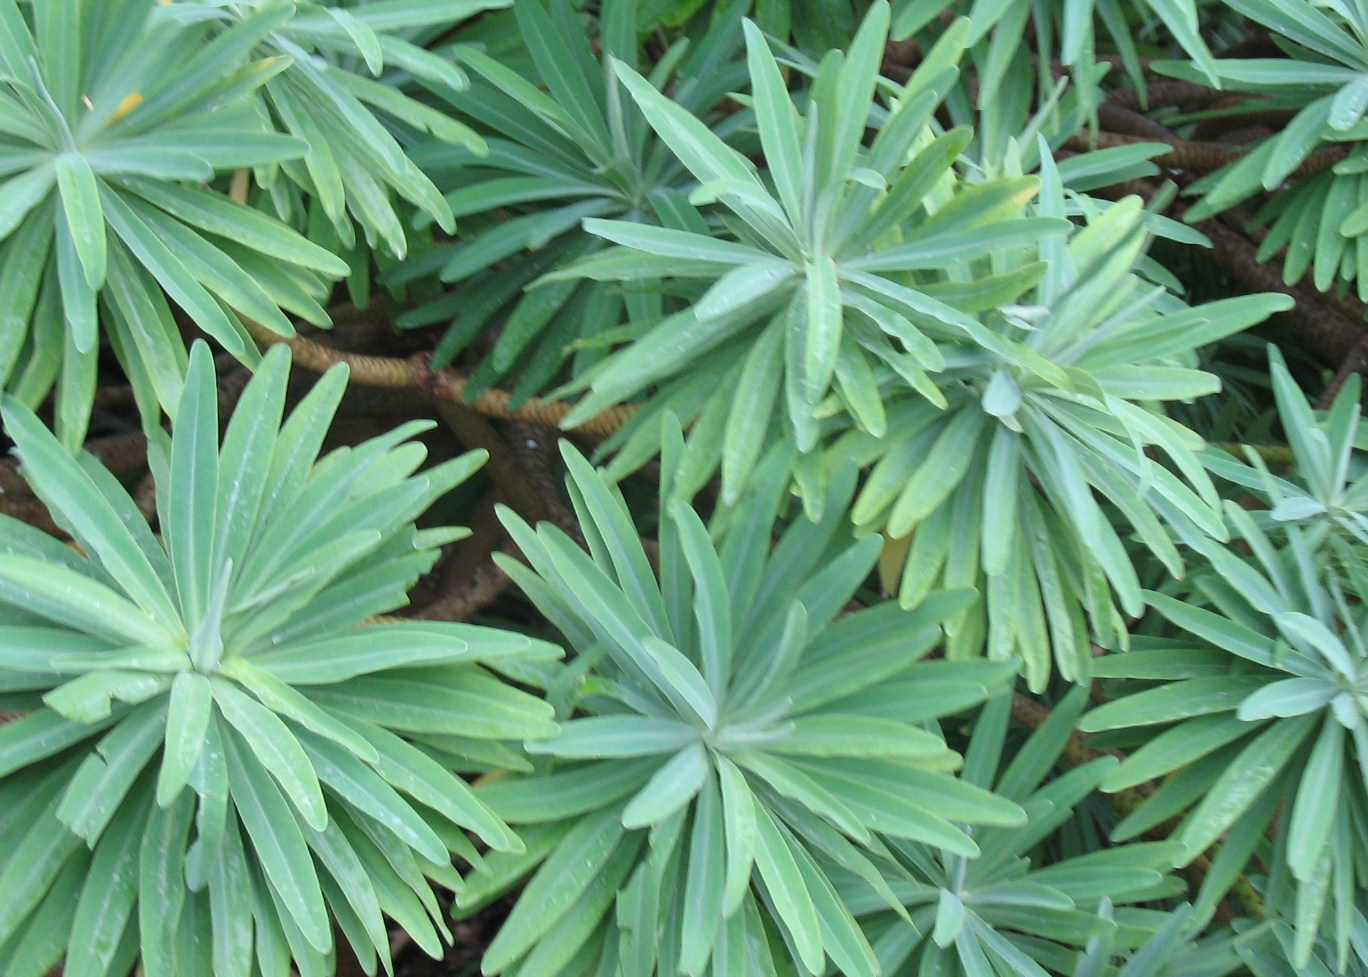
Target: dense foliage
970, 588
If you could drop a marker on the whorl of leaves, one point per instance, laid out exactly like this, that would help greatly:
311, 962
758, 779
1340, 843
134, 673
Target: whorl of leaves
737, 735
217, 764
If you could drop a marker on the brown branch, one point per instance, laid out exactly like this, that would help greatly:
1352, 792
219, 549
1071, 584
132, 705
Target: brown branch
1355, 362
1129, 122
1331, 327
468, 580
503, 468
448, 385
1200, 157
1180, 94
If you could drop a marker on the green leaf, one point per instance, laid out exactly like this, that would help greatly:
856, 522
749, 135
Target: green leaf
706, 156
1346, 110
561, 946
21, 194
703, 889
97, 519
748, 285
219, 215
566, 793
188, 522
376, 648
1296, 141
279, 846
365, 790
941, 470
108, 896
291, 704
187, 723
661, 352
73, 599
752, 410
1288, 697
602, 737
1176, 700
90, 697
161, 893
605, 511
1317, 801
171, 273
712, 603
353, 884
950, 916
563, 61
670, 788
1000, 506
38, 858
822, 336
1305, 629
1220, 631
413, 772
741, 829
668, 242
102, 783
836, 735
230, 908
80, 194
559, 884
1241, 783
459, 701
1174, 748
844, 117
789, 893
791, 782
774, 115
276, 749
887, 809
678, 679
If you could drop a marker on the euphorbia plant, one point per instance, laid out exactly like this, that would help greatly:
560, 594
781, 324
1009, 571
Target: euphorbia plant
1260, 669
103, 209
733, 734
1020, 484
220, 759
580, 149
821, 278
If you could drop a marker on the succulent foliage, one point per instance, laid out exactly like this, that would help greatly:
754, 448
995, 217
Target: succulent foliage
1326, 491
1039, 900
945, 643
1022, 483
217, 763
1317, 219
115, 115
580, 149
825, 281
330, 91
733, 740
1252, 707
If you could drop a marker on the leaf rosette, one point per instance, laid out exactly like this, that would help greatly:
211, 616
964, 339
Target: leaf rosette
1039, 900
338, 91
1326, 491
1316, 215
115, 117
579, 149
1250, 704
1021, 486
726, 733
217, 763
828, 274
